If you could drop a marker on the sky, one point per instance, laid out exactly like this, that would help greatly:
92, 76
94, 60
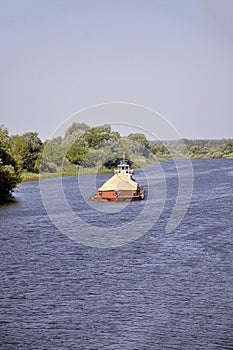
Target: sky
173, 56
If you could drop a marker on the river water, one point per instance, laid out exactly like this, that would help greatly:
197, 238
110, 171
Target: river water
161, 291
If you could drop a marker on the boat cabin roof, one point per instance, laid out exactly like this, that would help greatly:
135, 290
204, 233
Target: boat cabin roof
123, 164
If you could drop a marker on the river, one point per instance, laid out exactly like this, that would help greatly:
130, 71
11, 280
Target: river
160, 291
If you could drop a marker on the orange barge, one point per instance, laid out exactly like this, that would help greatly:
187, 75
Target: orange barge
120, 187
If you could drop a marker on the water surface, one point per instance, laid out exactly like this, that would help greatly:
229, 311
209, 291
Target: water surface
162, 291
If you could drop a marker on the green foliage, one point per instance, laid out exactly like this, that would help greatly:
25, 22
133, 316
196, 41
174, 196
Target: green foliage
10, 172
94, 147
140, 138
96, 135
53, 156
76, 154
76, 128
27, 148
185, 148
75, 133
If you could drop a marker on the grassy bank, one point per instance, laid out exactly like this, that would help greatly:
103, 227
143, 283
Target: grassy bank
35, 177
27, 176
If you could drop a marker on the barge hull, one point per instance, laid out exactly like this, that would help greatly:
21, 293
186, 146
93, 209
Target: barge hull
117, 199
114, 197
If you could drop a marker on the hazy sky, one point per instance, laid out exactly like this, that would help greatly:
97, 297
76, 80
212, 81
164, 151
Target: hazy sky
174, 56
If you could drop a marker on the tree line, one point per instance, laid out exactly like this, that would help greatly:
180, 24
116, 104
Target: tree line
92, 147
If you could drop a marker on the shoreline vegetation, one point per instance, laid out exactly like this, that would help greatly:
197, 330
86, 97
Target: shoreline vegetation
88, 150
27, 176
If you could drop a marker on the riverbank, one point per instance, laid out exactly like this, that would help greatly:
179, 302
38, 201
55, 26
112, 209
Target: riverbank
73, 171
27, 176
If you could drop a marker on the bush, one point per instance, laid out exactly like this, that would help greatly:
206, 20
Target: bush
10, 170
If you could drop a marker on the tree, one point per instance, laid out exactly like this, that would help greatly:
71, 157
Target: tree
76, 128
27, 147
53, 155
10, 171
141, 138
20, 149
76, 154
97, 134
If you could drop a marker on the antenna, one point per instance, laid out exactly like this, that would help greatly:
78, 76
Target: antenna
123, 157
